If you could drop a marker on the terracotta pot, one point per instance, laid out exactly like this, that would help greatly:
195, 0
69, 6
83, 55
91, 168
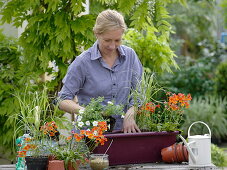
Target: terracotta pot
72, 166
56, 165
175, 153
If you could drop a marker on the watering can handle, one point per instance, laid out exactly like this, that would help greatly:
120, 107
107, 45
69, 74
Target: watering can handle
195, 123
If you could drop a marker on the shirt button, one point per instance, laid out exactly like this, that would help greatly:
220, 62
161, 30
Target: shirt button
113, 96
114, 84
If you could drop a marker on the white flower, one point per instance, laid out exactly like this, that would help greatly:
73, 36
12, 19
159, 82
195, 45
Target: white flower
80, 124
109, 102
73, 123
87, 123
88, 130
108, 126
79, 118
95, 123
122, 116
81, 111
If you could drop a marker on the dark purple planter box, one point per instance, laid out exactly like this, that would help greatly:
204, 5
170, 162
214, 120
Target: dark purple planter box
136, 148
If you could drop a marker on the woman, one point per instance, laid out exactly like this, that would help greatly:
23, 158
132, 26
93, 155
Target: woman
106, 69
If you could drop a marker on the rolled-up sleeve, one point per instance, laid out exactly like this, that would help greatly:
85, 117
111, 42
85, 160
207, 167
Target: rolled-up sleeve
73, 80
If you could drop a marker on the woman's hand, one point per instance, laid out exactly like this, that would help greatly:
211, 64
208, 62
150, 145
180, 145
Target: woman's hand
129, 124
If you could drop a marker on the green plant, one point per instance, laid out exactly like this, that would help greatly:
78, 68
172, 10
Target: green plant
153, 54
95, 111
57, 31
33, 117
221, 79
217, 156
209, 109
73, 149
195, 26
10, 81
154, 114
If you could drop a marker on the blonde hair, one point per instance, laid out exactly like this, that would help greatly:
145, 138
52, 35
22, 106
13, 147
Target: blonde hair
109, 20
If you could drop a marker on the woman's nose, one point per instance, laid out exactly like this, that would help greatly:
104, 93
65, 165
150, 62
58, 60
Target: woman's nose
112, 45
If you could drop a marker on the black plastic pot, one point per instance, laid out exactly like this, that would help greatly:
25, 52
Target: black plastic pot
111, 123
36, 163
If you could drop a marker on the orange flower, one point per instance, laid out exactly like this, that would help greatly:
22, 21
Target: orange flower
179, 101
21, 153
27, 147
69, 138
78, 137
27, 139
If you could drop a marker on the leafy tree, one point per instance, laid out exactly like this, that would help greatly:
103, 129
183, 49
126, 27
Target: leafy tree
10, 81
196, 25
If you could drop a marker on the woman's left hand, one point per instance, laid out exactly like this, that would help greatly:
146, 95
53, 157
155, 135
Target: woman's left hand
129, 124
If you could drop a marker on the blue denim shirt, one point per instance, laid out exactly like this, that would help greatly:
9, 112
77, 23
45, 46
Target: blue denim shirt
89, 76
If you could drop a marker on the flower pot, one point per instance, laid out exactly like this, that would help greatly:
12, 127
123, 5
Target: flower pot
56, 165
74, 166
36, 163
135, 148
99, 161
175, 153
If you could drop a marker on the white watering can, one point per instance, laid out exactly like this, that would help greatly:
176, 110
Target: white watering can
199, 147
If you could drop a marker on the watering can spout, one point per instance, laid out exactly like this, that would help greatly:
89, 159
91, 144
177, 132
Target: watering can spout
188, 148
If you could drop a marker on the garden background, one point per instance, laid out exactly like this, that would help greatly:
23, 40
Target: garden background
178, 40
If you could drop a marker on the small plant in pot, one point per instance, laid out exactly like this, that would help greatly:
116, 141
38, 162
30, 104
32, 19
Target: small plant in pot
95, 111
158, 110
36, 116
73, 149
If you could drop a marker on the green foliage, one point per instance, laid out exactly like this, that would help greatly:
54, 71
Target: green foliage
194, 77
196, 25
96, 111
93, 111
223, 5
35, 110
210, 110
217, 156
154, 52
112, 109
10, 81
221, 79
155, 114
71, 151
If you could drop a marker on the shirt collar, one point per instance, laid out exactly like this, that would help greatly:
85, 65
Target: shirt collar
95, 53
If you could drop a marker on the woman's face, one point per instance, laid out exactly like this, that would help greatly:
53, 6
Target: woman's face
109, 41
